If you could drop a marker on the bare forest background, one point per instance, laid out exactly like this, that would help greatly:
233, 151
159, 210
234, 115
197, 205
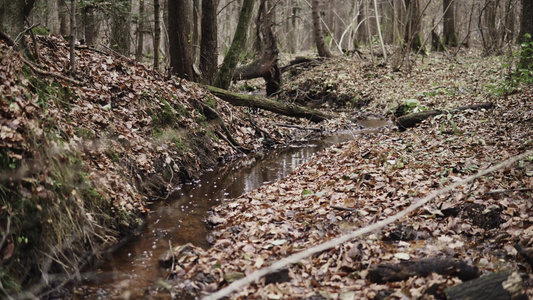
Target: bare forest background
137, 27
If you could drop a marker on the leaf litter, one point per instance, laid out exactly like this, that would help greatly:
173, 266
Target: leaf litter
354, 184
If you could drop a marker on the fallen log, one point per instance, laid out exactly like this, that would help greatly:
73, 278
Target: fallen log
411, 120
270, 105
496, 286
402, 271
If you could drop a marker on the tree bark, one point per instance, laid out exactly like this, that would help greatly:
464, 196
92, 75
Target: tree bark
12, 16
90, 24
226, 71
450, 36
180, 27
266, 65
268, 104
526, 21
72, 37
209, 41
120, 27
157, 33
140, 32
413, 29
318, 32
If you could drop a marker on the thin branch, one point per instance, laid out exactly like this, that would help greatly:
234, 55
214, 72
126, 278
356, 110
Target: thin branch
239, 284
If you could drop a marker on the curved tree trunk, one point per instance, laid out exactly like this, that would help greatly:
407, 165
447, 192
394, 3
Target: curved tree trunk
266, 65
225, 74
318, 33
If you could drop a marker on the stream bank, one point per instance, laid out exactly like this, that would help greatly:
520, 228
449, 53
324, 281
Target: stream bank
133, 269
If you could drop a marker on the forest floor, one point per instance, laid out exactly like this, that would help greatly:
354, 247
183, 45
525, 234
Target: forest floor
81, 159
476, 229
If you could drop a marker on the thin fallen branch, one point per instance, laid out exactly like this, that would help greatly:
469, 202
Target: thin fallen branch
239, 284
46, 73
299, 127
509, 191
343, 208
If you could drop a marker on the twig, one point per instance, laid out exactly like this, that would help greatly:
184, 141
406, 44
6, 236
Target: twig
237, 285
46, 73
298, 127
509, 190
343, 208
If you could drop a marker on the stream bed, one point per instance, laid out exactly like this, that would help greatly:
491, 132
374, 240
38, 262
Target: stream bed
132, 272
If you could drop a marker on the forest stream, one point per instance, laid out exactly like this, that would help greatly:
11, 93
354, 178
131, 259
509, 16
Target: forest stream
132, 271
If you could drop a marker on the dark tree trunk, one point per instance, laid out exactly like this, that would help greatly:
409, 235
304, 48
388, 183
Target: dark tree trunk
526, 29
180, 27
225, 74
413, 29
450, 36
12, 15
318, 32
157, 33
140, 32
90, 24
72, 36
209, 42
526, 22
120, 27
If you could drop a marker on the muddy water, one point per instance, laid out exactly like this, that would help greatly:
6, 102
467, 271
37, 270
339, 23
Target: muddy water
133, 272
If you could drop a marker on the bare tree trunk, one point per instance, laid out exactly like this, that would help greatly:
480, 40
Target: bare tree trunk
361, 33
63, 18
140, 32
318, 33
120, 27
53, 23
379, 30
12, 16
180, 27
413, 30
225, 74
450, 36
90, 24
157, 33
209, 42
526, 28
72, 36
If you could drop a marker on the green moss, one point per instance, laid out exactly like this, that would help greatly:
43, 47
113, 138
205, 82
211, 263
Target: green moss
165, 117
39, 30
210, 101
85, 133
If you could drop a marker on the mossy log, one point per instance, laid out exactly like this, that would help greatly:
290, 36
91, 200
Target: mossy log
496, 286
270, 105
411, 120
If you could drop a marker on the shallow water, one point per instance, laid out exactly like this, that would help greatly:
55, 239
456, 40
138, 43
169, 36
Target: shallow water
133, 272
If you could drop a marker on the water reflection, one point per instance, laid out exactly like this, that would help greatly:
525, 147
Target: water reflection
133, 270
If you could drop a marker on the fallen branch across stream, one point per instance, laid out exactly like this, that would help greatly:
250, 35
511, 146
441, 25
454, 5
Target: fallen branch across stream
239, 284
411, 120
268, 104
